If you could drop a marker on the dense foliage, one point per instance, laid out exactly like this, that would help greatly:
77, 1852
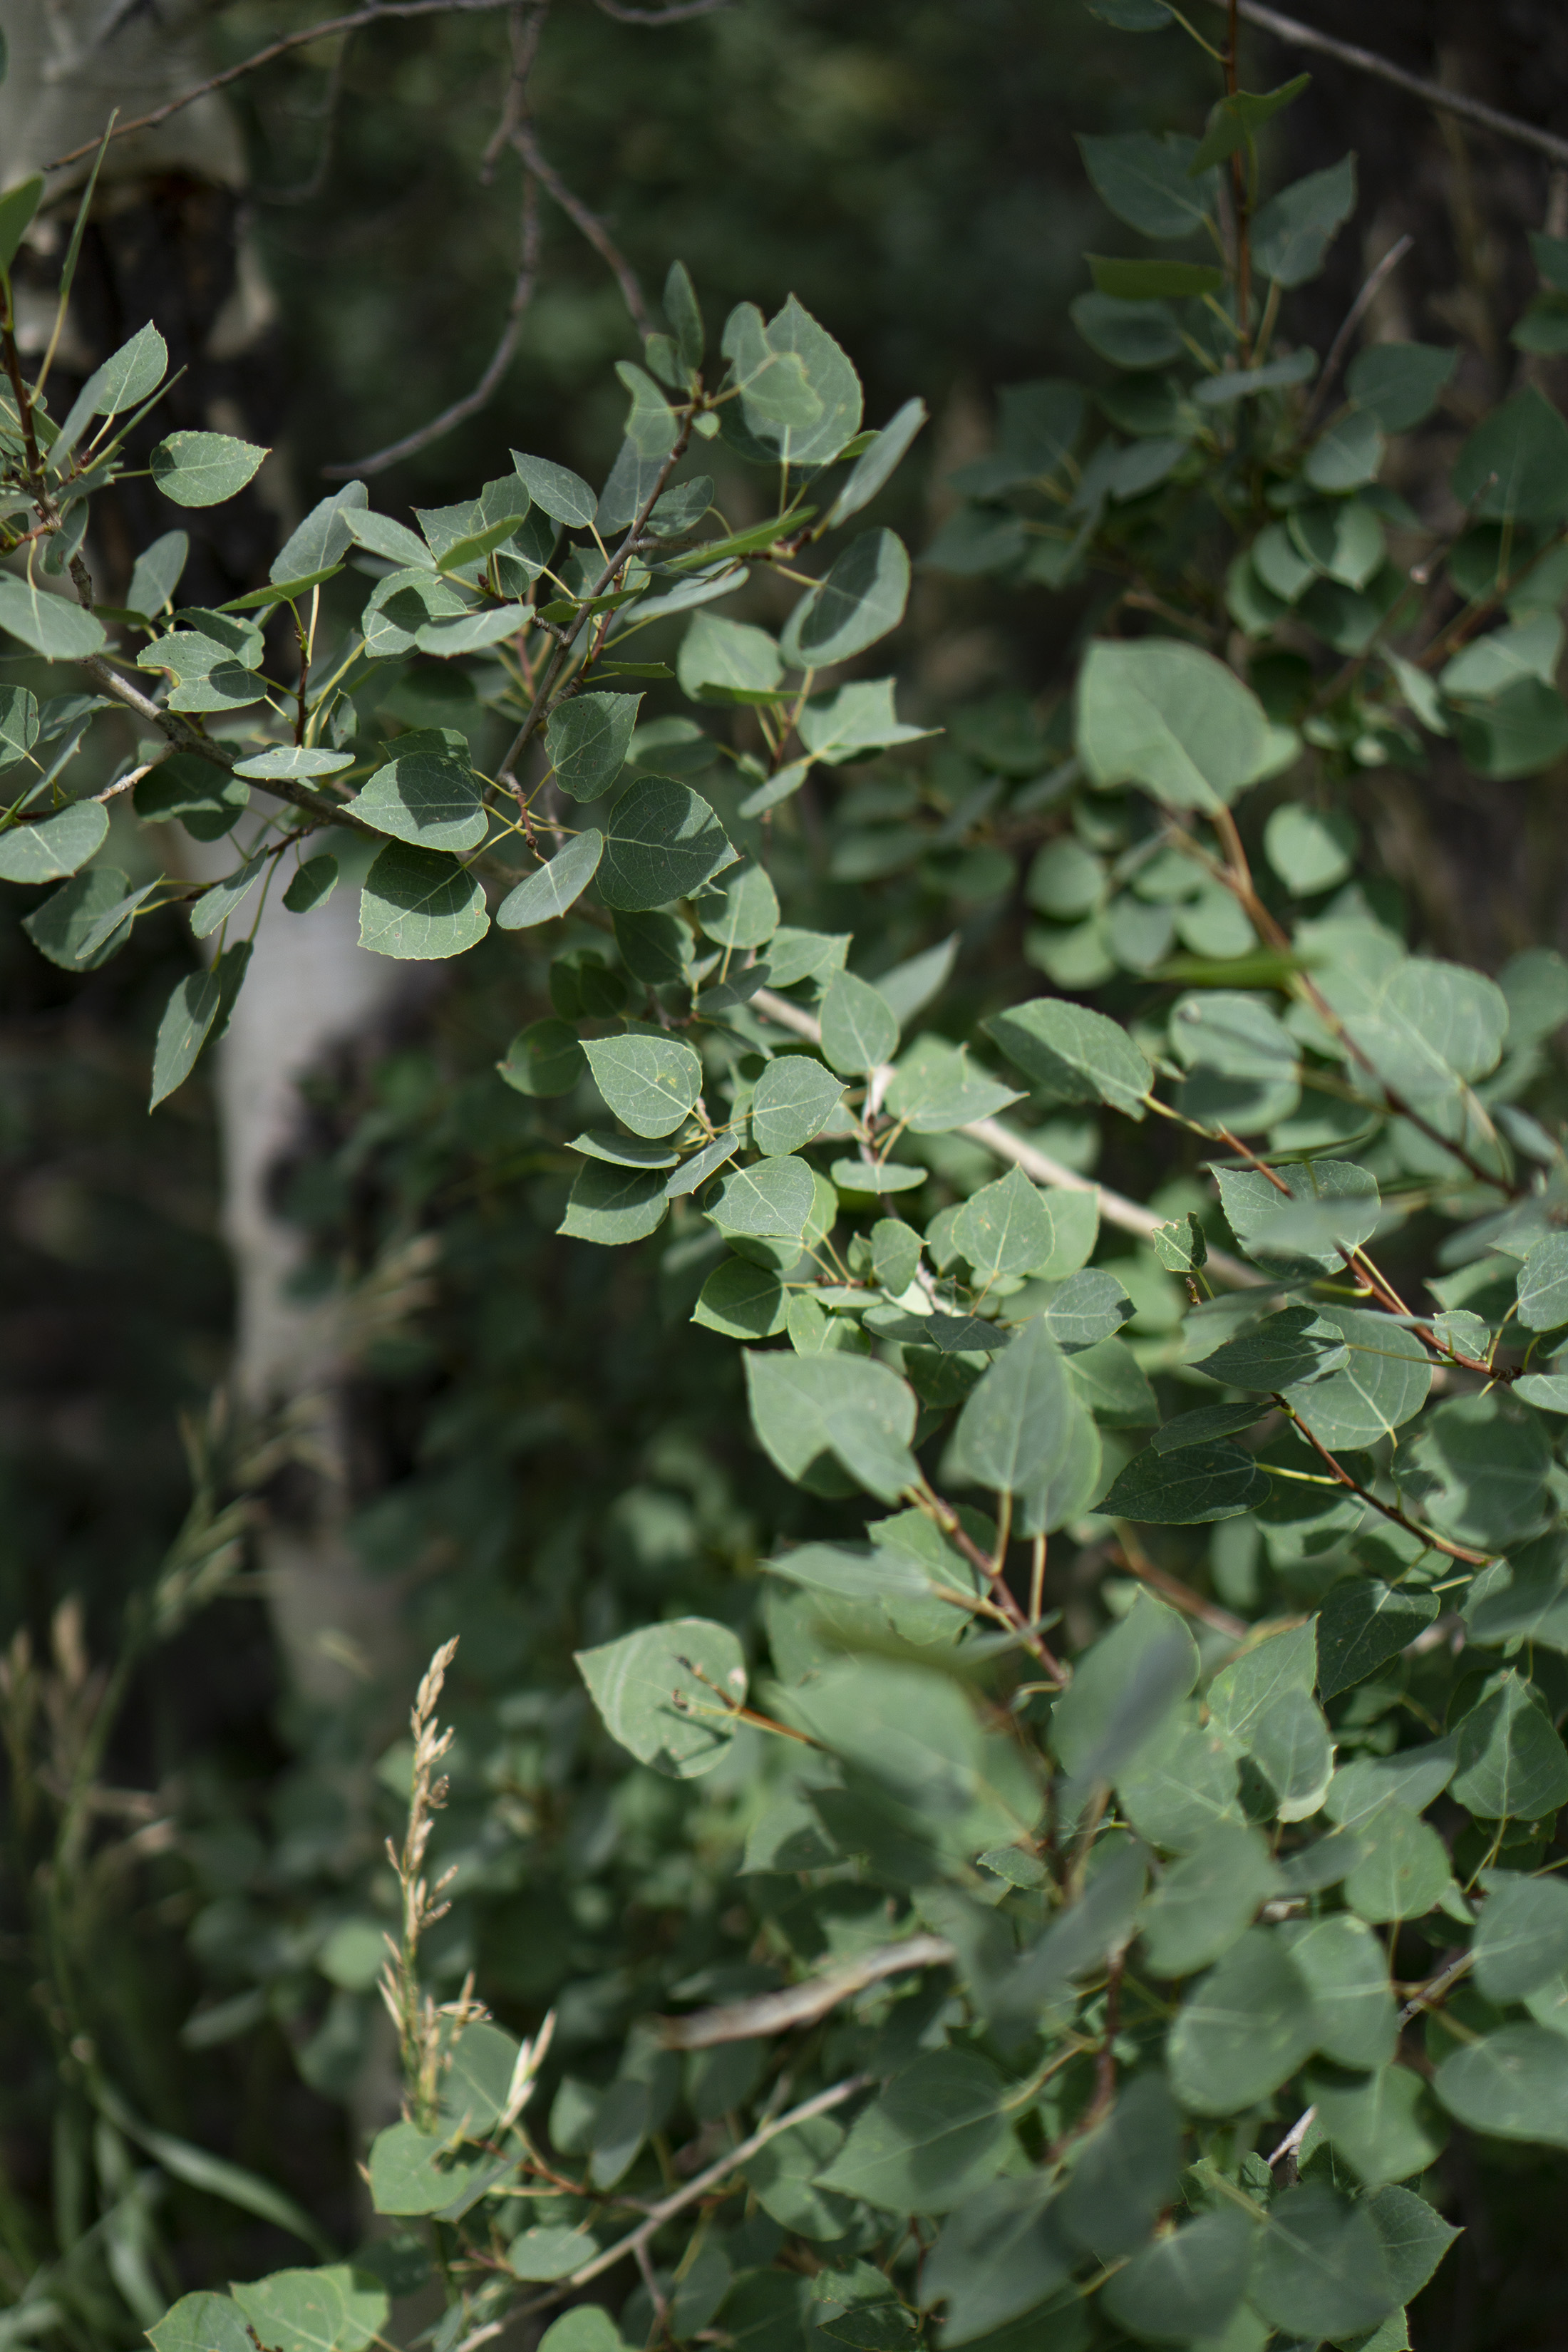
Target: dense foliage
1084, 1896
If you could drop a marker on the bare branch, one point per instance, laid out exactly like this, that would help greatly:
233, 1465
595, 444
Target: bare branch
659, 2214
678, 12
590, 226
1352, 318
376, 15
499, 360
801, 2004
1446, 101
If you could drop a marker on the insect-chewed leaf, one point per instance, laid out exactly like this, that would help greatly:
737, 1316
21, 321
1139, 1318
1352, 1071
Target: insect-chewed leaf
669, 1693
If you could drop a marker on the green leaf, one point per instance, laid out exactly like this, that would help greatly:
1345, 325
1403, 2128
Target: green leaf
1013, 1431
564, 496
1512, 1765
829, 381
202, 469
1512, 2084
469, 632
722, 661
862, 597
1320, 2268
1133, 15
1123, 1691
877, 462
1543, 1284
1294, 1345
550, 2252
1410, 1776
1384, 1384
202, 2323
743, 1300
1235, 118
57, 846
662, 842
292, 760
211, 668
334, 2310
1181, 1247
53, 625
860, 1029
1488, 666
1006, 1228
1000, 2253
413, 2171
586, 2327
1398, 383
650, 1083
1243, 2030
17, 206
1149, 183
662, 1693
542, 896
1382, 2124
1242, 1061
1485, 1461
1172, 719
427, 794
1363, 1623
217, 905
1127, 2170
857, 1411
1207, 1422
1523, 444
546, 1058
1520, 731
62, 928
1128, 334
1188, 1488
1088, 1309
1521, 1940
742, 912
588, 739
1402, 1872
420, 905
937, 2132
1181, 1782
1347, 453
1149, 281
1293, 232
1332, 1207
384, 536
1079, 1054
313, 884
1309, 849
182, 1032
793, 1100
320, 542
400, 605
1206, 1902
612, 1206
1188, 2284
771, 1199
858, 718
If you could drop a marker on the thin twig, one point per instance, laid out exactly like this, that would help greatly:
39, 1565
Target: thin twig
589, 223
678, 12
1291, 2145
1390, 1510
1446, 101
1351, 320
802, 2004
659, 2214
381, 12
495, 369
1434, 1989
1181, 1596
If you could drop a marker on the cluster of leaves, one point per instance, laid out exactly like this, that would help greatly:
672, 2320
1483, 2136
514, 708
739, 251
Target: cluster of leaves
1216, 1922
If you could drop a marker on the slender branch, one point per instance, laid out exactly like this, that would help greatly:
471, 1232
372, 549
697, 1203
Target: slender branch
1181, 1596
1446, 101
1033, 1641
659, 2214
1425, 1996
1241, 200
678, 12
590, 226
471, 403
379, 12
802, 2004
1352, 318
1390, 1510
1291, 2145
